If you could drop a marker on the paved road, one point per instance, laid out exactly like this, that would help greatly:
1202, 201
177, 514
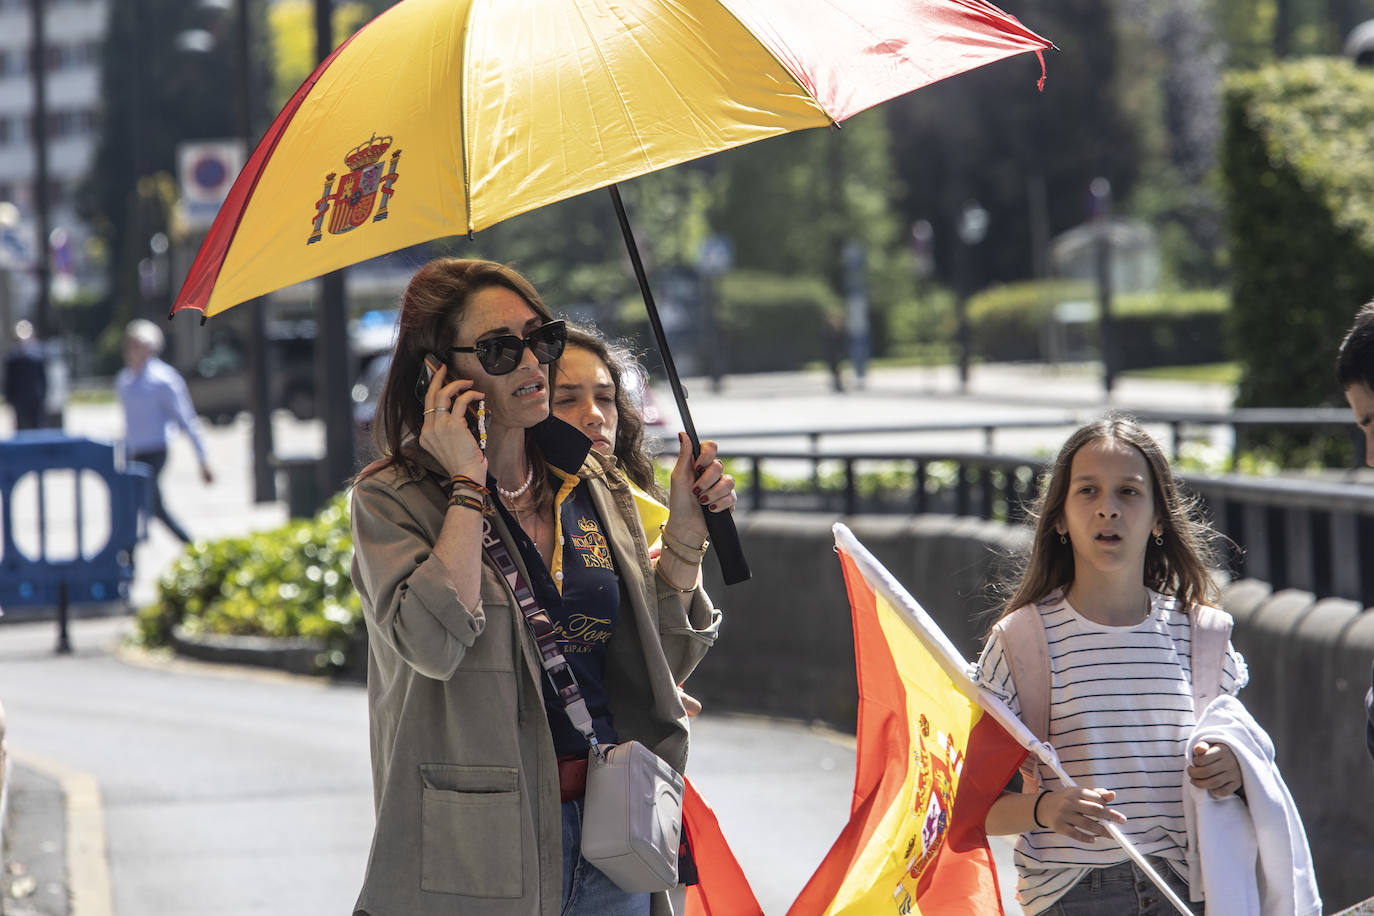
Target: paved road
236, 792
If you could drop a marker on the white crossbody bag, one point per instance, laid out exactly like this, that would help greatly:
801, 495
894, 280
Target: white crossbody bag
632, 811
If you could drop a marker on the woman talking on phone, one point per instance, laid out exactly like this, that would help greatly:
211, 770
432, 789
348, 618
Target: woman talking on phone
477, 768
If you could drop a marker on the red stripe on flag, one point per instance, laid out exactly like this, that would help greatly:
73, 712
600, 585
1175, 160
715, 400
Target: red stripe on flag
883, 744
204, 272
722, 889
990, 760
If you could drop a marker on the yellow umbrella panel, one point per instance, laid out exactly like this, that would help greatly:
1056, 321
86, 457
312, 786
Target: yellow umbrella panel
442, 117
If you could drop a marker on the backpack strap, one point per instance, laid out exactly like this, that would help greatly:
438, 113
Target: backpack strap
1028, 656
1211, 635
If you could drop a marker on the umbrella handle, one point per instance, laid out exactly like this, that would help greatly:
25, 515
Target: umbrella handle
719, 525
734, 568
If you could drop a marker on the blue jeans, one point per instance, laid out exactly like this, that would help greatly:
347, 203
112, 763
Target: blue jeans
1121, 890
586, 891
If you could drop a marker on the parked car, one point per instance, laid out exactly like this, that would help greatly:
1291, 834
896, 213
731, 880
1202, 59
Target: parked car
221, 384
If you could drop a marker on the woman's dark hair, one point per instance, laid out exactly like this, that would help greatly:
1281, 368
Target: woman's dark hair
1180, 567
431, 310
626, 373
1355, 358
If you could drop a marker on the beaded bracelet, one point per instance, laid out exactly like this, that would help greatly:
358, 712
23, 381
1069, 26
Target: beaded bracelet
663, 530
681, 591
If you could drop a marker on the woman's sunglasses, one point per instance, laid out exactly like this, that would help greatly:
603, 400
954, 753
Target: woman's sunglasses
500, 355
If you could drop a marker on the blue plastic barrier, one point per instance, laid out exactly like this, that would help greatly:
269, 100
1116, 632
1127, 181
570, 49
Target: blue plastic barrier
102, 575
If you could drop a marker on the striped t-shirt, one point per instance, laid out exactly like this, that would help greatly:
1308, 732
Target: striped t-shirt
1121, 711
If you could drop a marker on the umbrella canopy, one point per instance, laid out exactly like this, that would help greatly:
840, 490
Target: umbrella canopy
443, 117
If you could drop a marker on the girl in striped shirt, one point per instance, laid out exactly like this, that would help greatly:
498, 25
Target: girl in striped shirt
1117, 559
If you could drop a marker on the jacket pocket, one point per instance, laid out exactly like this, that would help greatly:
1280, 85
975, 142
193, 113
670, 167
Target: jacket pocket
471, 836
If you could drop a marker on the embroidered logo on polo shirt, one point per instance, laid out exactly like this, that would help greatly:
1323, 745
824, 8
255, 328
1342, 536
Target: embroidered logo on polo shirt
582, 633
591, 545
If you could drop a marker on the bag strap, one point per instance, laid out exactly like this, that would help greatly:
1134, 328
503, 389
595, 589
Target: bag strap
1027, 652
1211, 635
541, 628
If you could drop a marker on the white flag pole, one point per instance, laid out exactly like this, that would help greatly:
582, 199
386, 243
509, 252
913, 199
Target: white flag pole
959, 671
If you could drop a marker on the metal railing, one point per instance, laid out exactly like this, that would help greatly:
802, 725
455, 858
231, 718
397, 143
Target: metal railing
1292, 532
1180, 424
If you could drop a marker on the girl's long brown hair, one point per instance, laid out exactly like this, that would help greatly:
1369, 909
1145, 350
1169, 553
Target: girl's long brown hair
629, 432
431, 309
1179, 568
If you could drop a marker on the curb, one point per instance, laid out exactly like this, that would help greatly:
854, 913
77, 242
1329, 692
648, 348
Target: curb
87, 856
296, 655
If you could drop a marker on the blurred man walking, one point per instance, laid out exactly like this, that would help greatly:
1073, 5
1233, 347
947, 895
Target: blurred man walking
154, 397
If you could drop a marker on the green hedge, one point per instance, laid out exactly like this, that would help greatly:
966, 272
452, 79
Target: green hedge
1176, 328
1298, 167
771, 322
293, 581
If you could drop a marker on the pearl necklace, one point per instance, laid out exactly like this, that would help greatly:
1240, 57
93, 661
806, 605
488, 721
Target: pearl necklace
517, 493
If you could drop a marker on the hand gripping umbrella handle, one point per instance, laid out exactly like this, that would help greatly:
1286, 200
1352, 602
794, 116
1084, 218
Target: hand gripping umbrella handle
720, 525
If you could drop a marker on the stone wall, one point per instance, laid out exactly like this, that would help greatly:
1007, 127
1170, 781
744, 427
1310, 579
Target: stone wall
786, 649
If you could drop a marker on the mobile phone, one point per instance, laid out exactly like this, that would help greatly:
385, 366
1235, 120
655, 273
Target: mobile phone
428, 367
476, 412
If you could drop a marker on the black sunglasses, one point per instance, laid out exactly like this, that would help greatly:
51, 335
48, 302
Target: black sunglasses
500, 355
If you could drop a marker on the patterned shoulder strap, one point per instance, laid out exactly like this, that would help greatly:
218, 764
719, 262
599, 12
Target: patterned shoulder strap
541, 628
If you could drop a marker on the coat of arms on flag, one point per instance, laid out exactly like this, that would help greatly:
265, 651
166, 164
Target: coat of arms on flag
358, 190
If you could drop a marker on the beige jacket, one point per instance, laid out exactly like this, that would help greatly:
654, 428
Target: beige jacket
464, 774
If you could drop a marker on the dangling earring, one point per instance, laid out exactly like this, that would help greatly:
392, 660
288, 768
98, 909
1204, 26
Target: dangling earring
1063, 538
482, 424
1159, 539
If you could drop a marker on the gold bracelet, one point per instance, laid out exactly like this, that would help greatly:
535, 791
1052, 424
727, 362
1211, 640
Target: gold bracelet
663, 530
690, 561
664, 579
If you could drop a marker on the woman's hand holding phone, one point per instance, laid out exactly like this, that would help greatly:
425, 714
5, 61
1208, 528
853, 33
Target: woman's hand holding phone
445, 433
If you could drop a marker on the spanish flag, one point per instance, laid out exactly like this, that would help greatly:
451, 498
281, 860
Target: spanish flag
930, 762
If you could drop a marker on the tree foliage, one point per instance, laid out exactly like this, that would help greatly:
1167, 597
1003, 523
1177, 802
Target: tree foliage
1299, 171
988, 135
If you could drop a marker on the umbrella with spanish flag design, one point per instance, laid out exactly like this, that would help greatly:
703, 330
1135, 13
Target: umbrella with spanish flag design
443, 117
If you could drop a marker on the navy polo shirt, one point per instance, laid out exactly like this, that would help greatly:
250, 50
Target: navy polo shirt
581, 593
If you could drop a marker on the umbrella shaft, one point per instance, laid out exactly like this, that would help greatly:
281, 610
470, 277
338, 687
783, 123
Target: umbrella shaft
679, 393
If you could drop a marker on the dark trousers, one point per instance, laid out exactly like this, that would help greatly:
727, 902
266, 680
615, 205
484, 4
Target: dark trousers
156, 461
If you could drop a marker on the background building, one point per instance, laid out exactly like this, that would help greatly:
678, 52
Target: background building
74, 31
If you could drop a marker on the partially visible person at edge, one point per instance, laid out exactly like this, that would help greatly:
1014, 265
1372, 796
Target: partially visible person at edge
1355, 375
478, 774
591, 390
26, 378
1116, 563
154, 397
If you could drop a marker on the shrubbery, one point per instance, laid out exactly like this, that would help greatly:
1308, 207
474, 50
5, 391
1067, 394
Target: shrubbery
1012, 322
770, 322
290, 582
1298, 165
